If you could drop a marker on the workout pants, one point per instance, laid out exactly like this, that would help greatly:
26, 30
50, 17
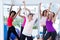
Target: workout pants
24, 36
21, 30
50, 34
12, 30
44, 31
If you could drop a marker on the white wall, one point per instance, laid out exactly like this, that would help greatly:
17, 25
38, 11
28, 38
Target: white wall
1, 21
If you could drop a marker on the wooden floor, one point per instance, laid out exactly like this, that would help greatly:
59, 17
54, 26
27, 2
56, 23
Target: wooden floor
41, 39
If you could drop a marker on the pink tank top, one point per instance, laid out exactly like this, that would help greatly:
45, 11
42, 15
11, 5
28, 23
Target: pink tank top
24, 22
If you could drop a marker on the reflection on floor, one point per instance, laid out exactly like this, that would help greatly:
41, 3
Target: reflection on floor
41, 39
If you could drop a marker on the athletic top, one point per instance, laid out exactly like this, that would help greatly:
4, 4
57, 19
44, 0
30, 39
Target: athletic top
9, 22
49, 26
29, 26
43, 20
24, 22
24, 13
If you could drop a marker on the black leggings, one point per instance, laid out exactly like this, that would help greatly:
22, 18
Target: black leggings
12, 30
21, 30
44, 31
52, 34
24, 36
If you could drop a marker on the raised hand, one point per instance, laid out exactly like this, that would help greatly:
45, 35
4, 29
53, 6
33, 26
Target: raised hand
11, 7
24, 4
17, 13
40, 4
50, 3
40, 10
49, 7
19, 9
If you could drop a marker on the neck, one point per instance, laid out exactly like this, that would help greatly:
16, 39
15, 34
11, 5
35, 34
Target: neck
44, 15
49, 19
10, 16
29, 20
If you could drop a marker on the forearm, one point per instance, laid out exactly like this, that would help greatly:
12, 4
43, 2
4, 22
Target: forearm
24, 4
17, 13
21, 16
48, 10
27, 10
11, 8
40, 10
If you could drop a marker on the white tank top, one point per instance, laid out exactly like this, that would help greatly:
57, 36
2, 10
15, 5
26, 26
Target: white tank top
43, 20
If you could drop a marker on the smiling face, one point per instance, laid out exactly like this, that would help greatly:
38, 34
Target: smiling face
12, 13
30, 17
51, 15
44, 13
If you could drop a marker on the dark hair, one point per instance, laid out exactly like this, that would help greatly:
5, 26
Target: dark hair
43, 12
12, 12
53, 14
31, 14
48, 16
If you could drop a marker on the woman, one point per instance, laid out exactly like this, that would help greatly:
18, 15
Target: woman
43, 17
11, 28
51, 32
28, 28
24, 19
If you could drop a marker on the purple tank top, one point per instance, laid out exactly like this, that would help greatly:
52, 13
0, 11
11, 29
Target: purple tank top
49, 26
24, 22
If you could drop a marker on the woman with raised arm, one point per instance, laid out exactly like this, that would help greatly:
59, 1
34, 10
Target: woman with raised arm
23, 11
11, 28
43, 17
49, 26
28, 27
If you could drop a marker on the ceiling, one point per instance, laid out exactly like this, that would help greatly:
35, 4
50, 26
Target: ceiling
33, 2
29, 2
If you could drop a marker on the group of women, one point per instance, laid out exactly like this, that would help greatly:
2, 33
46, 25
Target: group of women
47, 18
